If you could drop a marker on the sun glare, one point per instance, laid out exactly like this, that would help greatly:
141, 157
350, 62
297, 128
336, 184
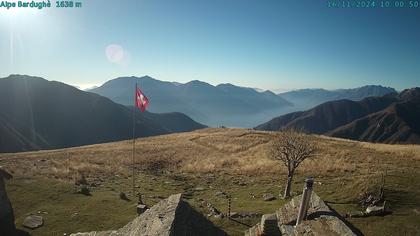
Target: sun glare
16, 22
14, 12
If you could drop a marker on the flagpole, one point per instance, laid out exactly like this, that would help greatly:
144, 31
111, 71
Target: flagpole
134, 137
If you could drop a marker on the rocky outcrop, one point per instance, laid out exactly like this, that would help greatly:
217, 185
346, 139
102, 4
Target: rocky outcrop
171, 216
33, 222
7, 219
321, 220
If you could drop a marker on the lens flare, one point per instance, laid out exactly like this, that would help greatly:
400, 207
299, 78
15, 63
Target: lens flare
114, 53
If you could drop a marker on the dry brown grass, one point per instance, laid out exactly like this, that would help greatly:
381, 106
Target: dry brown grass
408, 151
237, 151
342, 169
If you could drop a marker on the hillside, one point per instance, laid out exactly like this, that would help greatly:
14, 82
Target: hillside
398, 123
224, 104
201, 164
307, 98
392, 118
329, 115
39, 114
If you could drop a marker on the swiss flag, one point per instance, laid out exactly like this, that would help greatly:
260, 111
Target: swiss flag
141, 100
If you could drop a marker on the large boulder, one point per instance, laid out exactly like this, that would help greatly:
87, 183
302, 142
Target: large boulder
321, 220
33, 222
7, 219
170, 217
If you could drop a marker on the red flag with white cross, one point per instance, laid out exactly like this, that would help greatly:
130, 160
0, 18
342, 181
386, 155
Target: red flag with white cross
141, 100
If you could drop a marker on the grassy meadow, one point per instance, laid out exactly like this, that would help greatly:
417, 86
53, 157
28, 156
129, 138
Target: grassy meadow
204, 162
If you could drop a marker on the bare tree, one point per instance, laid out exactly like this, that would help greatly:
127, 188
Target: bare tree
291, 148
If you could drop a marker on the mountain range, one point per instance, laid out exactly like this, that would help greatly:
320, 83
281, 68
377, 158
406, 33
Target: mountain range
392, 118
304, 99
398, 123
224, 104
39, 114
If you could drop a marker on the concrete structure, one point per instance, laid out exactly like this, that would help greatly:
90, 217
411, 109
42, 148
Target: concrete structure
169, 217
306, 197
321, 220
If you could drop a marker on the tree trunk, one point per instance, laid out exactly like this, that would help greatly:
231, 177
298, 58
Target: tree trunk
288, 185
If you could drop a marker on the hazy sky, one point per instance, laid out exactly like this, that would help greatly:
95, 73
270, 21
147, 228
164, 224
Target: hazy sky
260, 43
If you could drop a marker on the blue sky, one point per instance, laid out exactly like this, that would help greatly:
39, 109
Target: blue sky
265, 44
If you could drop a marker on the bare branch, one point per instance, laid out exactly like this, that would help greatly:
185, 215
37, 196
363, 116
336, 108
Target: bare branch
291, 148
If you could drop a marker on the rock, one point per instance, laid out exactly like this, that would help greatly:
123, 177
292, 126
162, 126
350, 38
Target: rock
375, 210
213, 210
355, 214
321, 220
171, 216
33, 221
199, 189
249, 214
123, 196
7, 219
234, 215
220, 194
210, 175
269, 197
219, 216
141, 208
84, 190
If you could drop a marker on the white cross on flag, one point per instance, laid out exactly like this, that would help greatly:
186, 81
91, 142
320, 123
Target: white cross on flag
141, 100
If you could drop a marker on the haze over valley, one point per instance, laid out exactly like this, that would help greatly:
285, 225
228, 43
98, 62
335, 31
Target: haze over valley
36, 113
226, 104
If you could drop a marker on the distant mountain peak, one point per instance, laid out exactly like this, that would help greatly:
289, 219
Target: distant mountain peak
364, 87
374, 86
410, 94
55, 115
20, 76
269, 92
199, 82
304, 90
307, 98
391, 118
226, 85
